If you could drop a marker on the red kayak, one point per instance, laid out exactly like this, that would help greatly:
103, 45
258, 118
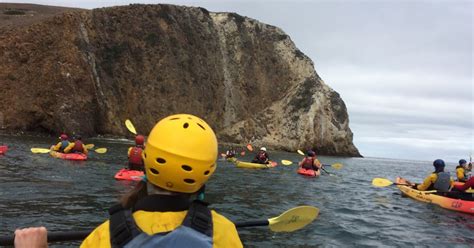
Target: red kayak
305, 172
68, 156
131, 175
3, 150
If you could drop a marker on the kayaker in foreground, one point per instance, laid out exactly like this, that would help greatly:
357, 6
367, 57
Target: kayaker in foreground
63, 144
180, 156
262, 157
461, 171
76, 146
438, 180
135, 159
310, 162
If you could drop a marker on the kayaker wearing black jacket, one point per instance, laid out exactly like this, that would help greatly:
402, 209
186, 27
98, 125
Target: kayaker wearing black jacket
438, 180
310, 162
262, 157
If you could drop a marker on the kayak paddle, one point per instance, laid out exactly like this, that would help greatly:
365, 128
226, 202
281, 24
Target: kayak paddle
89, 146
130, 126
289, 221
336, 166
44, 150
40, 150
383, 182
300, 152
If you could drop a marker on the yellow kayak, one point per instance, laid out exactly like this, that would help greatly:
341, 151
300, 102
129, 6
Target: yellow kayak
249, 165
430, 197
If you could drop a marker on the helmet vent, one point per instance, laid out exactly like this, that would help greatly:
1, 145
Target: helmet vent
153, 171
144, 154
212, 165
186, 125
161, 160
201, 126
186, 167
206, 173
173, 119
190, 181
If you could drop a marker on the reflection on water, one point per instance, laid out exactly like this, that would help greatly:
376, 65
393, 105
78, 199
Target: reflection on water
66, 195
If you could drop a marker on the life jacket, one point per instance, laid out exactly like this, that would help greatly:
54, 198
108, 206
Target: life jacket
308, 163
136, 156
443, 183
64, 144
262, 156
78, 146
195, 231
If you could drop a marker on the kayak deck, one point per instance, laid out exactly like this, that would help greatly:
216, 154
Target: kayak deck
306, 172
130, 175
68, 156
459, 205
249, 165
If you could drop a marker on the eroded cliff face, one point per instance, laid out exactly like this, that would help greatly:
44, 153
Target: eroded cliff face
87, 71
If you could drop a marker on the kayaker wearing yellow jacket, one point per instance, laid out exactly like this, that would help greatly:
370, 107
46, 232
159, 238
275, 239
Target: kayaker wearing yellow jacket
461, 170
180, 156
63, 144
438, 180
76, 146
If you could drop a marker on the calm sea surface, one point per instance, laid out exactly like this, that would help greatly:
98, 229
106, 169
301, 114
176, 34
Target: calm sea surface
36, 189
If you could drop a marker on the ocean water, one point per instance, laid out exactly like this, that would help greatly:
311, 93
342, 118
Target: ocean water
36, 189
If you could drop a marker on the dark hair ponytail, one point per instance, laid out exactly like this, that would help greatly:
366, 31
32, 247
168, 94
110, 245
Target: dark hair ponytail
129, 199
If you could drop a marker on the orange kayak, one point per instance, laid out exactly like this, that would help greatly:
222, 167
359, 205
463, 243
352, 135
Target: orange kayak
68, 156
306, 172
459, 205
3, 150
130, 175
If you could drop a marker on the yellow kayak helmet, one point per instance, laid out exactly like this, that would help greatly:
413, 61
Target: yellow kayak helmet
180, 154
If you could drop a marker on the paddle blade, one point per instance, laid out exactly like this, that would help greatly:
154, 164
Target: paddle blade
300, 152
39, 150
293, 219
249, 147
381, 182
337, 166
286, 162
101, 150
90, 146
130, 126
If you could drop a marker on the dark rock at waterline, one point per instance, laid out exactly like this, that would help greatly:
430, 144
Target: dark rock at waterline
86, 71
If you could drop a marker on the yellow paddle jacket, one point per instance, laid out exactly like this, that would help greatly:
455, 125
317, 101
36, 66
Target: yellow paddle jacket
72, 144
461, 174
225, 234
430, 180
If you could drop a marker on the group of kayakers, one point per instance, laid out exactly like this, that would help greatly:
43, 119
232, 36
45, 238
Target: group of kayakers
165, 209
73, 145
441, 181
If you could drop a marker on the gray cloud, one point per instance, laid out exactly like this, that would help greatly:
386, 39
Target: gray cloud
404, 68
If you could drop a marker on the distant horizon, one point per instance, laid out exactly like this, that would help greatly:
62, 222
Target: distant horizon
402, 68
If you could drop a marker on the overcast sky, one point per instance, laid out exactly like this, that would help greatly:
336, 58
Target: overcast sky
403, 68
